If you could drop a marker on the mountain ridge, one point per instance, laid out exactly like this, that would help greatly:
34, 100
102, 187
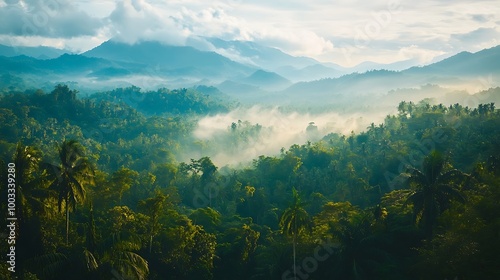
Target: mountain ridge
40, 52
152, 64
169, 58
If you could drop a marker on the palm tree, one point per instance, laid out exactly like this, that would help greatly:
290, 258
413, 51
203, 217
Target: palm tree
433, 190
31, 195
118, 255
117, 252
70, 176
293, 221
27, 160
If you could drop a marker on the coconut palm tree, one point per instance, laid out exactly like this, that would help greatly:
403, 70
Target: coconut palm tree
294, 221
433, 188
117, 251
31, 204
26, 160
70, 177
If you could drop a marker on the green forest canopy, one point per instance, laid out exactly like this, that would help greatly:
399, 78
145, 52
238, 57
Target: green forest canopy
415, 197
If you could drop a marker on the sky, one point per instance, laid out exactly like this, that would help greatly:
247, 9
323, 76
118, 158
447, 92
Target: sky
345, 32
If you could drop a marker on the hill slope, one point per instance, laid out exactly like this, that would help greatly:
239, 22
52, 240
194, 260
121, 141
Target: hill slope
464, 70
175, 60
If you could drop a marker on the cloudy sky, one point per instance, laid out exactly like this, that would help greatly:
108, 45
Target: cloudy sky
345, 32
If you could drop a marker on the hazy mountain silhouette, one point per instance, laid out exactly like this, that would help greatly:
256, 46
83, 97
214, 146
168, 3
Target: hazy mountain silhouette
395, 66
267, 58
259, 82
463, 68
64, 64
311, 72
172, 60
483, 62
295, 68
152, 65
40, 52
267, 80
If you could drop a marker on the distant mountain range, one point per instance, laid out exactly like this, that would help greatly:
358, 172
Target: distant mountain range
484, 62
465, 70
41, 52
230, 60
171, 60
294, 68
241, 69
260, 56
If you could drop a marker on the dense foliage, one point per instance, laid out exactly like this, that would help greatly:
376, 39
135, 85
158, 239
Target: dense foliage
101, 194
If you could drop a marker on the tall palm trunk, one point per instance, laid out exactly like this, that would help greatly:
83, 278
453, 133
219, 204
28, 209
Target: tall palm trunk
67, 221
294, 264
294, 236
150, 242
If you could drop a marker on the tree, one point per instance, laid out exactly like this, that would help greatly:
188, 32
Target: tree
236, 249
122, 180
119, 252
294, 221
470, 239
165, 174
27, 160
70, 177
153, 207
359, 253
208, 176
433, 190
185, 250
207, 217
206, 181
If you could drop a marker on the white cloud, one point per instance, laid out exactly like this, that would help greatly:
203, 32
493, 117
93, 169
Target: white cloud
476, 40
296, 42
51, 19
138, 20
316, 28
420, 55
213, 21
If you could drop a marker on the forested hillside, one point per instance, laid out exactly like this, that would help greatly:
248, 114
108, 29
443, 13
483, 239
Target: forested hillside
103, 192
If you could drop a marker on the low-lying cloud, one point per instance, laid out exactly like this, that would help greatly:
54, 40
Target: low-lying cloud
51, 19
264, 131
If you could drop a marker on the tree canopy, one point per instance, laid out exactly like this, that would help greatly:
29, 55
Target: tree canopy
108, 188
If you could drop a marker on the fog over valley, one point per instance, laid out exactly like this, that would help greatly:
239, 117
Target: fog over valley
264, 131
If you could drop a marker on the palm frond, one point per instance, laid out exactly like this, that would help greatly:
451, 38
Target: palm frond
417, 177
418, 201
77, 190
47, 266
53, 171
452, 192
130, 264
453, 175
433, 165
69, 152
90, 260
414, 197
35, 203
